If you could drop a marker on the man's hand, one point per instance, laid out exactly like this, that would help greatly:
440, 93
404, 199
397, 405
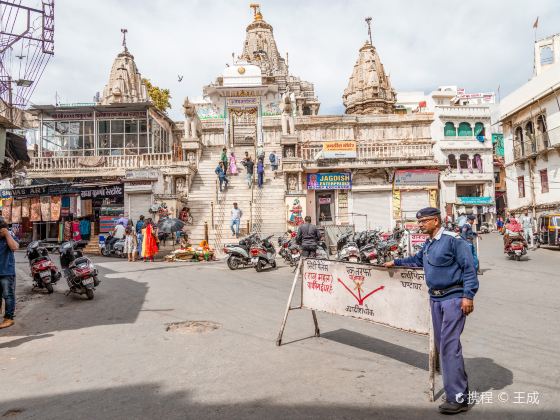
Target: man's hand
4, 232
467, 305
389, 264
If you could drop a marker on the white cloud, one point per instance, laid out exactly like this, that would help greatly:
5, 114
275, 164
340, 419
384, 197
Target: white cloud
477, 44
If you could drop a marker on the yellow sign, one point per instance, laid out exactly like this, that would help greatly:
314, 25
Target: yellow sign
344, 149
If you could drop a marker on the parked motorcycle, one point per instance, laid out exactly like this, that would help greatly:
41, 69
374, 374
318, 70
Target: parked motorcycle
263, 253
347, 248
117, 250
81, 275
289, 250
484, 228
238, 253
44, 272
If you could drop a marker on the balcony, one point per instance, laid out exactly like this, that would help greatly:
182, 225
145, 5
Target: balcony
535, 144
464, 111
380, 152
464, 143
57, 166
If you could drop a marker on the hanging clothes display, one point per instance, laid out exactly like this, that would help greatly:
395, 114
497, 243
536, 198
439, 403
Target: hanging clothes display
35, 215
67, 231
76, 231
7, 210
61, 232
55, 207
79, 207
25, 207
87, 208
85, 229
73, 206
46, 208
16, 211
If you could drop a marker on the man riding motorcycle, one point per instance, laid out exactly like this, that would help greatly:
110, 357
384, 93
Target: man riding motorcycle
513, 232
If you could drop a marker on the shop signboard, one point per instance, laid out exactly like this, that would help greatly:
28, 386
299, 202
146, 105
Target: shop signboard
339, 149
142, 174
475, 201
108, 191
329, 181
416, 177
52, 189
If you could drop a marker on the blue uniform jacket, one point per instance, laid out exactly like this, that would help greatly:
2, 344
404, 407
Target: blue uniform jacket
447, 260
467, 232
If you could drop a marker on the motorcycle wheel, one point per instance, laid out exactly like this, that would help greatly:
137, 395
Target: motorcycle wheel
105, 252
49, 288
259, 266
89, 294
518, 257
273, 265
232, 263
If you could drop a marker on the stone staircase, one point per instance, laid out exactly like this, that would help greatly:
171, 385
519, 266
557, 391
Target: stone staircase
92, 248
264, 208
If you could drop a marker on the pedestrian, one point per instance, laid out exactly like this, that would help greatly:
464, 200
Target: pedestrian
527, 223
220, 171
260, 172
150, 241
469, 235
260, 152
130, 244
273, 162
236, 214
139, 226
233, 164
452, 284
500, 224
223, 159
308, 238
249, 166
7, 273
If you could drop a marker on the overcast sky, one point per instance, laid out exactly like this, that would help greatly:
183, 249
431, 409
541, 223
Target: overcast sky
476, 44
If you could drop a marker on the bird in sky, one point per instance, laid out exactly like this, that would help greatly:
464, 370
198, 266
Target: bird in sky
179, 77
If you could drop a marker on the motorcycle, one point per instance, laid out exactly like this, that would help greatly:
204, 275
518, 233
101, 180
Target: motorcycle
289, 250
347, 249
116, 250
321, 252
238, 254
44, 272
485, 228
368, 254
81, 274
516, 248
262, 254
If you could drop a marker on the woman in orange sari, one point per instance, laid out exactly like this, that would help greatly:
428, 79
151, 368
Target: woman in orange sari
149, 241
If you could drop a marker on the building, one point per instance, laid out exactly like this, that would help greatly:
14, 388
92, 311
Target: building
94, 161
371, 167
530, 120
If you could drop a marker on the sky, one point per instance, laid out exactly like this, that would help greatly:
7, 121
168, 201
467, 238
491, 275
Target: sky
475, 44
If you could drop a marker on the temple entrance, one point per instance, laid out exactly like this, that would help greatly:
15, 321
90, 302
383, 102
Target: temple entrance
243, 126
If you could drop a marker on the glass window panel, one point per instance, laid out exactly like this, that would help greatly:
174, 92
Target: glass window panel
103, 127
75, 127
87, 128
131, 141
104, 141
88, 142
103, 152
143, 142
143, 126
117, 141
117, 126
143, 151
131, 126
62, 127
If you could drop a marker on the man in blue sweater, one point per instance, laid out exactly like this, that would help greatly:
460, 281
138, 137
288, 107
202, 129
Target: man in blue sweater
452, 283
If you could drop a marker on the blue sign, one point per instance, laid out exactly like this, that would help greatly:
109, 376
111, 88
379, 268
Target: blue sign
329, 181
475, 201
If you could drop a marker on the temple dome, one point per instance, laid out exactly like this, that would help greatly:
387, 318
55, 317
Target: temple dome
125, 82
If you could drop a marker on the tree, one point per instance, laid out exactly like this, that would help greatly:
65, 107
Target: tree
160, 97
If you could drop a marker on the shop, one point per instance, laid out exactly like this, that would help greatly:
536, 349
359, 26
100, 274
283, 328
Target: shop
483, 208
139, 190
414, 189
327, 196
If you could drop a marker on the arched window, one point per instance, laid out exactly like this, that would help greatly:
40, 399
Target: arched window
464, 162
530, 133
479, 129
465, 129
477, 163
541, 130
452, 162
449, 130
519, 145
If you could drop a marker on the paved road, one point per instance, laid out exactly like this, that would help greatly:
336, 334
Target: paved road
112, 358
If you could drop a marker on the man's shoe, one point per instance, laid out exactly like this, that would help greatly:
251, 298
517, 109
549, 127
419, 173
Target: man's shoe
6, 323
453, 407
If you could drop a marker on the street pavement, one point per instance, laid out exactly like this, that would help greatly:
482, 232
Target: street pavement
113, 358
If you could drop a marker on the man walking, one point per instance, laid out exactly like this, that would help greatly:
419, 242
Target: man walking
273, 162
469, 235
220, 171
527, 223
236, 214
308, 238
260, 173
249, 167
452, 283
7, 273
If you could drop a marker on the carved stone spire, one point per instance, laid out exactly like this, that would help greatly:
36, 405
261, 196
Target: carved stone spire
369, 89
125, 82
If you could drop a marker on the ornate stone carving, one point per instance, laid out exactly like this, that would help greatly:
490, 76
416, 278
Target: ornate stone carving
292, 182
288, 101
193, 127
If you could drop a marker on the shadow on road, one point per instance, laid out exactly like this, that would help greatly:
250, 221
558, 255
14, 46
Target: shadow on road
19, 341
117, 301
484, 373
149, 401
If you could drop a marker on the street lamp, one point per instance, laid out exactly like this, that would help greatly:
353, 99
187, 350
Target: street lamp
23, 82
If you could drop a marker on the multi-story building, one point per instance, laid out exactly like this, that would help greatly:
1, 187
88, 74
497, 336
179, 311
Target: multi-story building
530, 119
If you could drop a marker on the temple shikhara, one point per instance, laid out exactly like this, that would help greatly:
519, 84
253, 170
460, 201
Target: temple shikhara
372, 166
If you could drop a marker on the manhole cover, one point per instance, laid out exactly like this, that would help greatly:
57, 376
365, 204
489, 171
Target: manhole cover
187, 327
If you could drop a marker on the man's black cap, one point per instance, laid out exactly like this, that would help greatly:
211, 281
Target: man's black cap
427, 212
471, 217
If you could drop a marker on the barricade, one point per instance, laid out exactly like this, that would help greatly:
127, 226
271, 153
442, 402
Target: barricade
396, 297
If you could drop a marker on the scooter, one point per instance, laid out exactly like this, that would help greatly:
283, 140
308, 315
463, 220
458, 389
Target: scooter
81, 274
347, 249
238, 254
117, 250
516, 249
44, 272
262, 254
